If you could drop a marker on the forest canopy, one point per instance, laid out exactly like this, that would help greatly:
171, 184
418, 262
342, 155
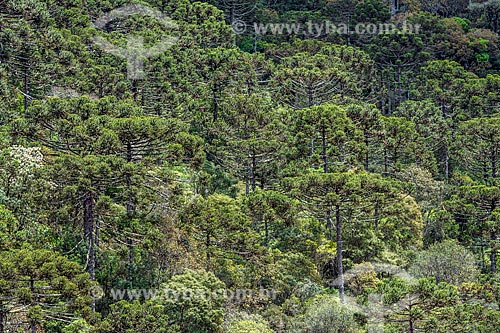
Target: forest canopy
241, 166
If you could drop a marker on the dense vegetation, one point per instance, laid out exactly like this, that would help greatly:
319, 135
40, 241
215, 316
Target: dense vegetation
318, 168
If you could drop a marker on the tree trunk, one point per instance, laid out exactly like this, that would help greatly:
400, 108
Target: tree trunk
135, 90
323, 143
340, 268
254, 171
255, 36
493, 164
130, 270
26, 88
446, 163
481, 247
130, 215
89, 227
367, 156
247, 180
493, 255
310, 100
2, 319
386, 162
266, 227
232, 13
329, 224
349, 30
32, 289
400, 89
215, 100
389, 96
207, 244
393, 7
412, 325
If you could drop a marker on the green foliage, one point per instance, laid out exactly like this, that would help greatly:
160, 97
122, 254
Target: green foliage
218, 226
198, 306
135, 316
272, 161
246, 323
324, 314
249, 326
47, 286
8, 228
338, 144
463, 22
446, 262
478, 141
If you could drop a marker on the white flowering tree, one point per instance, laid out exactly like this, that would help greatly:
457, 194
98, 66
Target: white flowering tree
19, 184
18, 166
